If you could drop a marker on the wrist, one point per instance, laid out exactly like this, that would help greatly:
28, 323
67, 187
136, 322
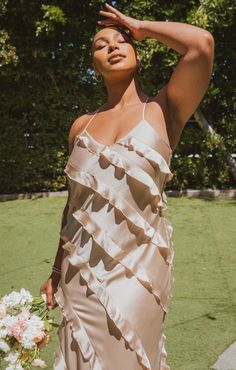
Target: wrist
56, 270
142, 28
151, 28
54, 276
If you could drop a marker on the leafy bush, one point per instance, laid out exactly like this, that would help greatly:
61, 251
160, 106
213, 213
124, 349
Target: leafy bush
46, 83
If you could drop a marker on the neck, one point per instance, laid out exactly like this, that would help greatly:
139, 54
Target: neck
122, 92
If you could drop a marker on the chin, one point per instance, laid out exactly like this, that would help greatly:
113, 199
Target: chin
122, 67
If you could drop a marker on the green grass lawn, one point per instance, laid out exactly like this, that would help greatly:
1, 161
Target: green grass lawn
201, 320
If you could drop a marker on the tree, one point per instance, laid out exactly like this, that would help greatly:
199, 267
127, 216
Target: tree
47, 81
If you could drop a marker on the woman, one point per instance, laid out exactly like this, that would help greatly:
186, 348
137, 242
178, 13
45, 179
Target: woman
112, 274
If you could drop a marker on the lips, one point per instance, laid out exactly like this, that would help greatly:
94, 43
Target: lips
114, 56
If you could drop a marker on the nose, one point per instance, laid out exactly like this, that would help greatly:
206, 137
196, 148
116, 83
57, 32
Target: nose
112, 46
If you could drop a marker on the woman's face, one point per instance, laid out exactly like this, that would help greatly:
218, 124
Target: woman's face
113, 52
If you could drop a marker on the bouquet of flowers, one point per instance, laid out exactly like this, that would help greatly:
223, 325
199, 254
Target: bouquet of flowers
24, 329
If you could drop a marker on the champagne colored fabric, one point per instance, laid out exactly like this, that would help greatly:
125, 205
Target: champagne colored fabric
117, 266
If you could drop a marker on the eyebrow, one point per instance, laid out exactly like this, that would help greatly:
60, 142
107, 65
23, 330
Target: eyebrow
105, 38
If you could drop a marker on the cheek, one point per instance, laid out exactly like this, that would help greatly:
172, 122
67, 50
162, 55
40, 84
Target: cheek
132, 60
99, 58
131, 55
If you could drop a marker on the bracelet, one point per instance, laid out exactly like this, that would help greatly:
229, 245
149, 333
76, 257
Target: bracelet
56, 269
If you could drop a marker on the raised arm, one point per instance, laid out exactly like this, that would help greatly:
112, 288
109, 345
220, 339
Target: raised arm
190, 78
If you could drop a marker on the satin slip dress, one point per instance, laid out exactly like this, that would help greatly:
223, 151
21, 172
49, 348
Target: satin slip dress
117, 264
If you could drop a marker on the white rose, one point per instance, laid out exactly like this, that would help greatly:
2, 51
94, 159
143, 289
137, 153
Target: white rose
3, 333
39, 363
17, 298
4, 346
12, 356
15, 367
8, 321
11, 299
25, 296
3, 310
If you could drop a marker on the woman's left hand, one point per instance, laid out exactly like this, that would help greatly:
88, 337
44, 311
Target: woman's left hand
116, 18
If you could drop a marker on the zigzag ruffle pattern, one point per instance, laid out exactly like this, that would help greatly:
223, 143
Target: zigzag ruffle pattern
88, 180
149, 153
120, 161
130, 259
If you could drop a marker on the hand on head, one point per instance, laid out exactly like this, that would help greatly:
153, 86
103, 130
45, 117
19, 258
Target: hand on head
115, 18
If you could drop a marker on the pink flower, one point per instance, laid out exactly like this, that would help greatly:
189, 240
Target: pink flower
24, 315
38, 363
39, 337
17, 329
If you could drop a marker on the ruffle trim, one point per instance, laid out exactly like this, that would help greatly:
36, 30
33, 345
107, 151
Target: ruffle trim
163, 354
166, 230
78, 332
124, 207
121, 162
158, 286
149, 153
114, 313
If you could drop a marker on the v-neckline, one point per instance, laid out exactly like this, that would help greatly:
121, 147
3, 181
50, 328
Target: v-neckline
127, 135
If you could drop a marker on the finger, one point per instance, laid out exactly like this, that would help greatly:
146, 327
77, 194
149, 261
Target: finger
115, 11
107, 14
107, 23
49, 298
44, 296
42, 291
55, 304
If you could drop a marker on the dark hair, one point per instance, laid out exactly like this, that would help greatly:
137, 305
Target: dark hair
126, 32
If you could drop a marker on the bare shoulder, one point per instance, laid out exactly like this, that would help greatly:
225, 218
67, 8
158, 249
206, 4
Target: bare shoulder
76, 128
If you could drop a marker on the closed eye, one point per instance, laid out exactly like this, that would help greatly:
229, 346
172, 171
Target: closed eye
100, 47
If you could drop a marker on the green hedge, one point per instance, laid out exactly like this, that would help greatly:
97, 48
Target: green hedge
46, 83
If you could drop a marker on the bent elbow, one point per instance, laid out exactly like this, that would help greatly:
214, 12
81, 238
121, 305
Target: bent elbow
206, 44
202, 48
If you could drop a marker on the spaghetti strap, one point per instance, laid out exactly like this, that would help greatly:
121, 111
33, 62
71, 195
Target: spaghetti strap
90, 120
87, 124
144, 106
